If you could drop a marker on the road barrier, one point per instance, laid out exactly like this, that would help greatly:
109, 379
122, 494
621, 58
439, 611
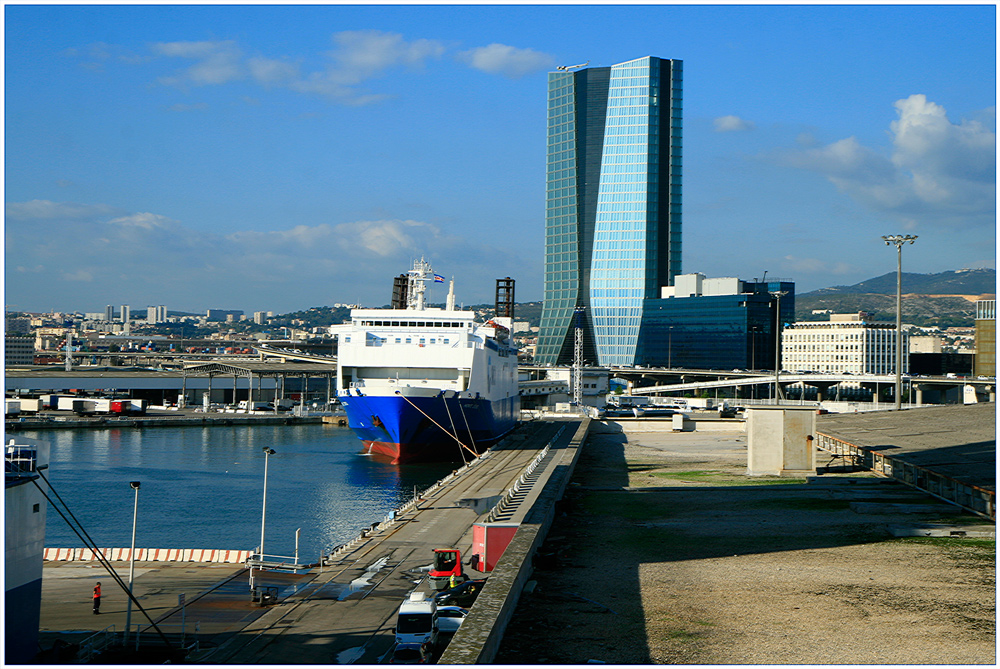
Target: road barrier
220, 556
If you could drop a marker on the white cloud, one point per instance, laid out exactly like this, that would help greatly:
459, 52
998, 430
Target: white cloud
363, 55
507, 60
172, 263
936, 173
78, 276
144, 221
732, 124
218, 62
272, 72
48, 210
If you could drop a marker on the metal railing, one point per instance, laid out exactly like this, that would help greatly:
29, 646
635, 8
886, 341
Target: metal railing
95, 643
972, 498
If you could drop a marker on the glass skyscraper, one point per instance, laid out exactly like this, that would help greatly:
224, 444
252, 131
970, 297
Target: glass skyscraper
613, 205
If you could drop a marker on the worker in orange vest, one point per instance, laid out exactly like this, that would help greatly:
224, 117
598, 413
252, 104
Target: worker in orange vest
97, 598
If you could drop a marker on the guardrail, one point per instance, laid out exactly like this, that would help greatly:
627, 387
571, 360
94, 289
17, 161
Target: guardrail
972, 498
503, 507
95, 643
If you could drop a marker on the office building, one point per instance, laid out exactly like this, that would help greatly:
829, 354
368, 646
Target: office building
613, 205
714, 323
223, 314
846, 344
126, 313
986, 338
19, 350
109, 313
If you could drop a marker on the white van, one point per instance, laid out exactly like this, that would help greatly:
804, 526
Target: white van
417, 620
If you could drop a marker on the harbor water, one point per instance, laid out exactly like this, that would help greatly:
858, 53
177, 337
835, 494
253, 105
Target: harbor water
202, 487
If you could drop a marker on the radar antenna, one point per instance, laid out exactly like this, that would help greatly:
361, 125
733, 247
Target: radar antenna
567, 68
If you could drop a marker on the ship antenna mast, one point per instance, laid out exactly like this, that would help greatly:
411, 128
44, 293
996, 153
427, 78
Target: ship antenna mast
420, 273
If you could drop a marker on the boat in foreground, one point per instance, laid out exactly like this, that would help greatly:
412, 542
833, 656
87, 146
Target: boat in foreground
427, 384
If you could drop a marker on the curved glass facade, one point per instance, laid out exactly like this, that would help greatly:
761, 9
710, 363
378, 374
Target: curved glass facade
613, 225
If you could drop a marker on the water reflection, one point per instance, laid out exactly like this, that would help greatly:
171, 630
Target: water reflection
201, 487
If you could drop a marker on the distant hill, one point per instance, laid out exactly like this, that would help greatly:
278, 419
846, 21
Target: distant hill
961, 282
946, 299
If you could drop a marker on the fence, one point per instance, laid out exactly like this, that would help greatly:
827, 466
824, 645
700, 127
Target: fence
974, 499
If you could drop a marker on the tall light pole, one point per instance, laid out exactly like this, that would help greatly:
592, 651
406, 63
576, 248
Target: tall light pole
263, 513
898, 241
131, 556
778, 294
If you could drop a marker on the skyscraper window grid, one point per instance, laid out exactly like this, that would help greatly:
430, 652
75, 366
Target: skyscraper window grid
562, 258
622, 141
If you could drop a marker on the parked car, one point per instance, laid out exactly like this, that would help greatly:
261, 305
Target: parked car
450, 618
462, 594
411, 653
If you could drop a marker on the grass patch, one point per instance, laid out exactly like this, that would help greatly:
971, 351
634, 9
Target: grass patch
716, 477
681, 635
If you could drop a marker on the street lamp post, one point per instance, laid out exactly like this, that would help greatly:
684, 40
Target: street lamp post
898, 241
263, 513
131, 556
778, 294
263, 516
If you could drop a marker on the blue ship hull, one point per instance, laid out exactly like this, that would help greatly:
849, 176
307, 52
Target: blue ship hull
429, 428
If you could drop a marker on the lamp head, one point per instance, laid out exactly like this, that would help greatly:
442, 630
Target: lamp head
134, 484
269, 451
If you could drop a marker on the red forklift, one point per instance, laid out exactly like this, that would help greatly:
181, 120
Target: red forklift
447, 564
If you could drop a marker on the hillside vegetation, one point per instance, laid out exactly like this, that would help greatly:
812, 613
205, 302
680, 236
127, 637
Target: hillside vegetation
946, 299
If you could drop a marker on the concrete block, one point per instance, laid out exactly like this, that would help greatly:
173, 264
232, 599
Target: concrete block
780, 441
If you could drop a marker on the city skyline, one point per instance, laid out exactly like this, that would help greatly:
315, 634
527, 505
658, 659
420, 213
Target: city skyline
280, 158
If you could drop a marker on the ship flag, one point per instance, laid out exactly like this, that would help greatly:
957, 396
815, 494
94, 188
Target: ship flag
438, 278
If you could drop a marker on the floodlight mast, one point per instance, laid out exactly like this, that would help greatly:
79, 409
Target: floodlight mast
898, 241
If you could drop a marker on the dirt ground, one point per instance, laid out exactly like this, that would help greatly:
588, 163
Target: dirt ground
664, 552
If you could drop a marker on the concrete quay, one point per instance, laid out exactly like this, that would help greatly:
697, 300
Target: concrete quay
343, 612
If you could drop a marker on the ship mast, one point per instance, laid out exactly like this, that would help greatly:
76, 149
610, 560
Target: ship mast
420, 273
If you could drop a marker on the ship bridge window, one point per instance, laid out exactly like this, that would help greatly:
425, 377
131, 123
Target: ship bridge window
395, 324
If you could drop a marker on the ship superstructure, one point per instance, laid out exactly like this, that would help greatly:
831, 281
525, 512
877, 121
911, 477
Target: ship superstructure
423, 383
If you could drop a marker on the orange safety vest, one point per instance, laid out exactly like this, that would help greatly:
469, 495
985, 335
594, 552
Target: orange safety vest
97, 592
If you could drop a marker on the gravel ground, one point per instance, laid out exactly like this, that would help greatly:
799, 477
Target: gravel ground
664, 552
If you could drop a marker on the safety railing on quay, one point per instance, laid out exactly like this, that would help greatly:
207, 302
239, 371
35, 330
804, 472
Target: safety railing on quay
503, 506
182, 634
95, 643
972, 498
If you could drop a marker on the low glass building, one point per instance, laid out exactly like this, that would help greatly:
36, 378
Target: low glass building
718, 324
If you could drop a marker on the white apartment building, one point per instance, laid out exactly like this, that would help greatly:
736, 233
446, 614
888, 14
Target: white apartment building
844, 344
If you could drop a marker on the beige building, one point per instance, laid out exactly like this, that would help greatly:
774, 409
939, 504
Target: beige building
847, 343
925, 344
986, 338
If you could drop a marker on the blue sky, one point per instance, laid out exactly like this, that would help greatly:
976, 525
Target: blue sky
282, 157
